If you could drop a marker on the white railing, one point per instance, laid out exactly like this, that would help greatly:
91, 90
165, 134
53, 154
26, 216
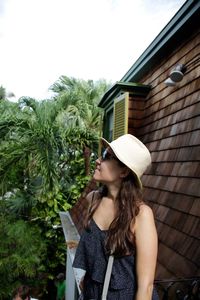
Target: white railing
73, 276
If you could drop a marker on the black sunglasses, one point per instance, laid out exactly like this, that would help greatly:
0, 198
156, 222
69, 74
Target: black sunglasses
107, 155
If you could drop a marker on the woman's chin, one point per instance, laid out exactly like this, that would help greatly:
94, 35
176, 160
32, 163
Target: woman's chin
96, 177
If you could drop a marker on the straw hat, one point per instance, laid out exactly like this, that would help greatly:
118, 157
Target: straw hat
131, 152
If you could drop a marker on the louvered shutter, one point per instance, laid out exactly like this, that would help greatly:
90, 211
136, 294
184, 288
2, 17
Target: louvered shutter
120, 115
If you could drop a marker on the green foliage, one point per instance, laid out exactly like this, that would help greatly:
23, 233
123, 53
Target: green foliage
80, 98
77, 179
22, 252
21, 204
43, 167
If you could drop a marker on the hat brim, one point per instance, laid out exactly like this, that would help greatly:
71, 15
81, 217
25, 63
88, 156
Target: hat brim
106, 144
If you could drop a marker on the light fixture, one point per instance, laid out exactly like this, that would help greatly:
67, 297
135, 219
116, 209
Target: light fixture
169, 82
177, 73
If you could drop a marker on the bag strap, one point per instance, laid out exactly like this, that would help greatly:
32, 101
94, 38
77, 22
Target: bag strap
107, 277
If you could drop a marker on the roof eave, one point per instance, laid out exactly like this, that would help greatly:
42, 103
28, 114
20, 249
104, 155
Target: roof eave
180, 20
136, 88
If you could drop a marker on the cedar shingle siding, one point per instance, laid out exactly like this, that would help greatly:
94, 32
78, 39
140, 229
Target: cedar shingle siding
170, 127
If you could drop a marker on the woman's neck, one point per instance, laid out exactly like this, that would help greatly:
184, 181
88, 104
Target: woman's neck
113, 191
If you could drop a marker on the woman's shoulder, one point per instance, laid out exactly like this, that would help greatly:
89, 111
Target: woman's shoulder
145, 216
144, 210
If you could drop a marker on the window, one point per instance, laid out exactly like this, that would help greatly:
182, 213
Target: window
108, 129
120, 126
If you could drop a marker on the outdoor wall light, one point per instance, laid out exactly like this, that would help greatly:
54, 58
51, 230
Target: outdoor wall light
170, 82
175, 75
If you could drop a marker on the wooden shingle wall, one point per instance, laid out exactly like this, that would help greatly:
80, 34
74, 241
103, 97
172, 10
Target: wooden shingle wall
136, 113
171, 130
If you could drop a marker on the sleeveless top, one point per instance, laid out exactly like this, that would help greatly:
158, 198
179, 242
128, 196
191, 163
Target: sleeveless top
91, 256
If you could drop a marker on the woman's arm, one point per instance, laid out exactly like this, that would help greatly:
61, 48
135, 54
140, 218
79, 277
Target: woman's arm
146, 252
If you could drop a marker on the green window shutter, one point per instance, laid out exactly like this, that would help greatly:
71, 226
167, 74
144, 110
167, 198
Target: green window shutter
120, 125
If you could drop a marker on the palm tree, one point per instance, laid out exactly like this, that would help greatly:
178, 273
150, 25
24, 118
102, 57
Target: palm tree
80, 99
30, 180
28, 141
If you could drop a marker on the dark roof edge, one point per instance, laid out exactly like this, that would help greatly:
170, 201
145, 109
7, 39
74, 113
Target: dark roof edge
138, 88
179, 19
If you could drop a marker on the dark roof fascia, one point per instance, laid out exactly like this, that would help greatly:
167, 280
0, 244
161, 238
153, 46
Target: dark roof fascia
179, 21
136, 88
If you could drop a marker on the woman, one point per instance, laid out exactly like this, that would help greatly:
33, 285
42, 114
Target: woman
119, 222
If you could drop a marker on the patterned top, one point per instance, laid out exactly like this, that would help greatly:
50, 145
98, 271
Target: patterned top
91, 256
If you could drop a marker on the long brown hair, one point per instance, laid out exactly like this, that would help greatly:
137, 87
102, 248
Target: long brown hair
120, 239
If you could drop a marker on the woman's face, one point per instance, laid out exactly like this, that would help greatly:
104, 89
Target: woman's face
108, 168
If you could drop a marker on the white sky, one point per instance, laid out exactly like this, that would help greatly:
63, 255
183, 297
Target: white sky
40, 40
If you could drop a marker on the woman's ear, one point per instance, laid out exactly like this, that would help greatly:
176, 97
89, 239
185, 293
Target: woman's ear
125, 172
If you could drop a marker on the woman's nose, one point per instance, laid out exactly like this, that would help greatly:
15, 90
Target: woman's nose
98, 161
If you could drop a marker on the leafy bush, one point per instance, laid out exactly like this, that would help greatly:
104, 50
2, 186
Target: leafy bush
23, 252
